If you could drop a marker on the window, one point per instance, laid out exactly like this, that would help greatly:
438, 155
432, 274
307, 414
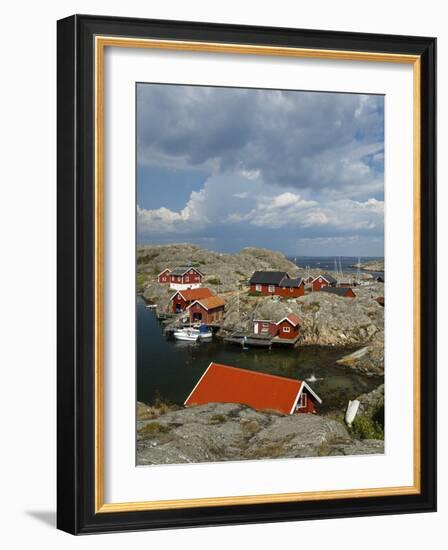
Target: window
178, 279
187, 279
302, 403
191, 272
271, 288
286, 329
258, 288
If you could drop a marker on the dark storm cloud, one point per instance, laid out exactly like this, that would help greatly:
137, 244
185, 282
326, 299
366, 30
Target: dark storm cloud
294, 139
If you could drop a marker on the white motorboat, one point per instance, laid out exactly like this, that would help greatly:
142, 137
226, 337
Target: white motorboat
186, 334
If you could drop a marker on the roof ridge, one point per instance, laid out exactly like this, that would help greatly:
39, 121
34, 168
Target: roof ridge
283, 378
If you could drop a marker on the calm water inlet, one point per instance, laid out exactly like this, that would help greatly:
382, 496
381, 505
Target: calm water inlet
169, 370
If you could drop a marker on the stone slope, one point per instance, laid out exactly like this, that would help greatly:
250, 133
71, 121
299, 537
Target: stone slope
221, 432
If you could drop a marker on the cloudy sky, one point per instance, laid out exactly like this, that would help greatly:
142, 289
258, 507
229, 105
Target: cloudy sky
299, 172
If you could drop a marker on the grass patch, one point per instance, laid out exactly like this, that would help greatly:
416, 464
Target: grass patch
214, 281
154, 428
146, 258
217, 419
275, 449
254, 293
251, 427
310, 307
141, 279
365, 428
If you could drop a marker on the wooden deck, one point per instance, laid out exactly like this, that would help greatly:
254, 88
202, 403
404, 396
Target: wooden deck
285, 342
249, 340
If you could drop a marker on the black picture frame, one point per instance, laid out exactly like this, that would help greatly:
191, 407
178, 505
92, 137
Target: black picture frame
76, 272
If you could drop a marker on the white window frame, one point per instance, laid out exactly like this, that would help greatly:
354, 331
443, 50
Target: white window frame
303, 401
187, 279
271, 288
257, 288
286, 329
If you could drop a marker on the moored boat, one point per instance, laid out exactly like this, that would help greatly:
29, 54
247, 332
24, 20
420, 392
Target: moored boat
186, 334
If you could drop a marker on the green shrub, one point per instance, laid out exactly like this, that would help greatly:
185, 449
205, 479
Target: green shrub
141, 279
310, 307
214, 281
364, 427
254, 293
217, 418
146, 258
154, 428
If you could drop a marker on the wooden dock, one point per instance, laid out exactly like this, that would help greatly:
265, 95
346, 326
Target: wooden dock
259, 340
249, 340
285, 342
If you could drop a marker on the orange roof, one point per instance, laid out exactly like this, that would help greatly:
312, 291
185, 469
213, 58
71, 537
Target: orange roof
210, 303
225, 384
195, 294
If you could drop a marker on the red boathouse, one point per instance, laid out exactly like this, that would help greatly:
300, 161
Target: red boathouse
287, 328
209, 311
226, 384
183, 298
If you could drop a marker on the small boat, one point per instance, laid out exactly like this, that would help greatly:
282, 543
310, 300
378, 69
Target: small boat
151, 306
186, 334
205, 334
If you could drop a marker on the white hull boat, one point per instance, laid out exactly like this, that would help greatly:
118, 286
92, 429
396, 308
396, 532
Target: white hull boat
187, 335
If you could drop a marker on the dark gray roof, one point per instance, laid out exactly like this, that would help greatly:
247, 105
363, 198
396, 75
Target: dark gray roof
338, 290
179, 271
291, 283
268, 277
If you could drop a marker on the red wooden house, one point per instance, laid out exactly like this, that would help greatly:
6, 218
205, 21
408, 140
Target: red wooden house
276, 283
182, 278
226, 384
287, 328
209, 311
343, 292
183, 298
164, 276
321, 281
265, 327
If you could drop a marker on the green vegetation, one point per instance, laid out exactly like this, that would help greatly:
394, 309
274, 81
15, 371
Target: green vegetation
214, 281
251, 427
141, 279
254, 293
154, 428
364, 427
217, 419
146, 258
310, 307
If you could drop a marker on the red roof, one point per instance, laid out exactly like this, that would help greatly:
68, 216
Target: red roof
292, 318
225, 384
209, 303
195, 294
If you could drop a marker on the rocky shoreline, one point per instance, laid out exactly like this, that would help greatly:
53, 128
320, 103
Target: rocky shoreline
374, 265
219, 432
327, 320
225, 431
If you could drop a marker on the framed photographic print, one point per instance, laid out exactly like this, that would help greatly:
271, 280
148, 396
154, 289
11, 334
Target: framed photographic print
247, 274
